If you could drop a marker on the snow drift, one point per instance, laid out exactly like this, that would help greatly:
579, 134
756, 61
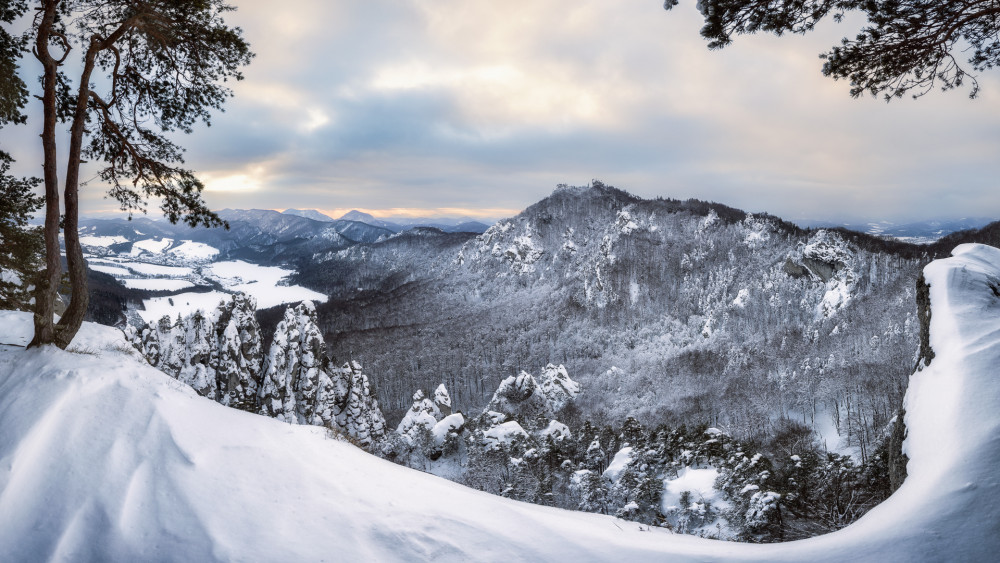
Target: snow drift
104, 458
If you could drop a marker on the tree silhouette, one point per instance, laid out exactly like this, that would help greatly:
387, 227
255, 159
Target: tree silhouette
906, 46
146, 68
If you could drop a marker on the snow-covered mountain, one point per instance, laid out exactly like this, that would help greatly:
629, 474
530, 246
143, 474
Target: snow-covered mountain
105, 458
645, 300
918, 232
369, 219
310, 214
399, 224
665, 310
259, 234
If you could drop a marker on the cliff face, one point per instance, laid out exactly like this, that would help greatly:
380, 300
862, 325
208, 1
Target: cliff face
925, 353
898, 459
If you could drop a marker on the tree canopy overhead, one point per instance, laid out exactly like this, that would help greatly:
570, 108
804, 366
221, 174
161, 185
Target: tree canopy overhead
906, 46
145, 68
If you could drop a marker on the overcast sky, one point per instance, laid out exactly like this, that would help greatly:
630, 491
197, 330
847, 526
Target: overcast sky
479, 108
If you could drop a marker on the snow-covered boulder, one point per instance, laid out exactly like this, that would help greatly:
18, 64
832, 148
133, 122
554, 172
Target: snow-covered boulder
295, 378
557, 431
520, 397
449, 426
428, 416
419, 419
302, 387
442, 400
504, 434
621, 460
557, 386
525, 398
218, 353
356, 411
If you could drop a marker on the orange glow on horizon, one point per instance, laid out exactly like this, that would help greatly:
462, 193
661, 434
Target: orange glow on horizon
412, 212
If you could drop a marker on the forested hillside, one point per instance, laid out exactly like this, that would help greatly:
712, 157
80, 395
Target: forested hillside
665, 310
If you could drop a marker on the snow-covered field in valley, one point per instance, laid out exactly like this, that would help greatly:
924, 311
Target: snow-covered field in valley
104, 458
263, 282
168, 265
157, 284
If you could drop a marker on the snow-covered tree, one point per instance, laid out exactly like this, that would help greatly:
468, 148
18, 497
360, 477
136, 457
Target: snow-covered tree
442, 400
301, 386
356, 410
423, 414
293, 366
239, 352
218, 354
591, 490
595, 456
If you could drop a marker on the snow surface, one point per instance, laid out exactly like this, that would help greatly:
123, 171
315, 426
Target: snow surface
159, 269
448, 424
102, 242
194, 251
701, 483
151, 246
618, 464
262, 282
110, 270
505, 433
181, 304
104, 458
157, 284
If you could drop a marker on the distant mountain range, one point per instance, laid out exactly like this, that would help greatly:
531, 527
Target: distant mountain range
919, 232
398, 224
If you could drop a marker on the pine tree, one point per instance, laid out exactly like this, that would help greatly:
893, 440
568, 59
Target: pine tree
595, 457
632, 433
592, 491
20, 245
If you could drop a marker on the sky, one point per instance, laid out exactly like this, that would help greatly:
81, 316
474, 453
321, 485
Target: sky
480, 108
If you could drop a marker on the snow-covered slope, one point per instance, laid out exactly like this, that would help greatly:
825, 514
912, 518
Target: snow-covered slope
104, 458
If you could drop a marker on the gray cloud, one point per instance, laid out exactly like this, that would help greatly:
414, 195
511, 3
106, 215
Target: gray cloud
431, 104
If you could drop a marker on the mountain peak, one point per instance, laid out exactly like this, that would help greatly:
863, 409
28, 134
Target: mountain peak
355, 215
309, 214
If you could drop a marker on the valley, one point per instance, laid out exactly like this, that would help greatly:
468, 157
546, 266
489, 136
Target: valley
701, 350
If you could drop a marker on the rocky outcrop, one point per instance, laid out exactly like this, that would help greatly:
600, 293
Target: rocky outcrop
926, 353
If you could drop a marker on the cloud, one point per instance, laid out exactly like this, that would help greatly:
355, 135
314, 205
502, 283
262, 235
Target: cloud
472, 104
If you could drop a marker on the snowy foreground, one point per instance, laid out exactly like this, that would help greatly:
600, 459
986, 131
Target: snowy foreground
105, 458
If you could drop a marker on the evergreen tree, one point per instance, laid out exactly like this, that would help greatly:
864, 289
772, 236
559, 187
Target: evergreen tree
632, 433
906, 45
592, 492
20, 245
145, 69
595, 459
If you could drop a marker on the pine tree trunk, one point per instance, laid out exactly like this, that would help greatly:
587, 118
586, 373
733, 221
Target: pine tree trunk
71, 320
48, 283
